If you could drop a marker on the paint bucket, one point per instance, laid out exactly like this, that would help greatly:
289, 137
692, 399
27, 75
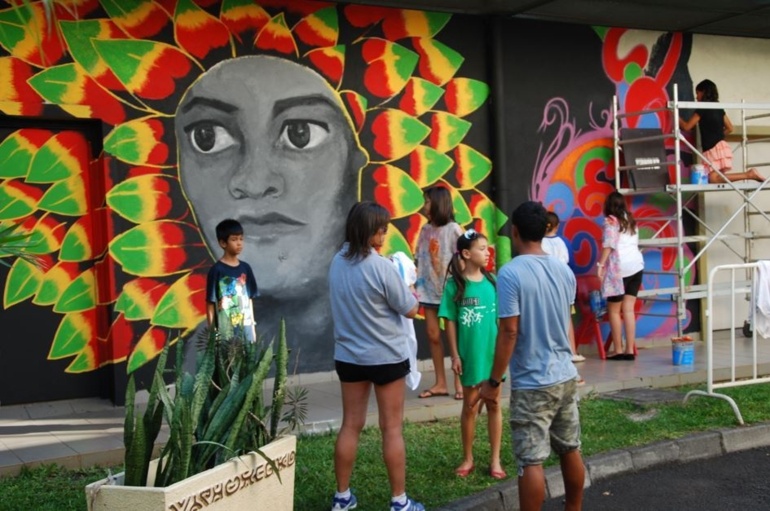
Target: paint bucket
698, 175
682, 351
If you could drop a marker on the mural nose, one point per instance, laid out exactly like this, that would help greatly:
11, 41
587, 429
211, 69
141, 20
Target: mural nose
256, 181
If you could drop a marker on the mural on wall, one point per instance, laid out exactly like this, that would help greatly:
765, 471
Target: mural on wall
574, 171
279, 113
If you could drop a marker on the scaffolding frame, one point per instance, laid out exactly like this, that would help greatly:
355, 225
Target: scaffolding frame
684, 193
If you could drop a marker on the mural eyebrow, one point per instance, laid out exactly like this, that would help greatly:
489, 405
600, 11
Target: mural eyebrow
212, 103
310, 100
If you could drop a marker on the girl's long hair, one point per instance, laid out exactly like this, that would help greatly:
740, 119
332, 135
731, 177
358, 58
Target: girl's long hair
364, 220
615, 205
454, 268
441, 208
709, 90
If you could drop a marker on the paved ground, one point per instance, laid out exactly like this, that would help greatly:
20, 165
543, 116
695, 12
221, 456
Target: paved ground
84, 432
696, 454
733, 481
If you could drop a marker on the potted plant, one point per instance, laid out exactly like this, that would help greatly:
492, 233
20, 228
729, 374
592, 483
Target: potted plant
225, 449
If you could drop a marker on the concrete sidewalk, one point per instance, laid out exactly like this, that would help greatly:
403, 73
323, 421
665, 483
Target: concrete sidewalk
85, 432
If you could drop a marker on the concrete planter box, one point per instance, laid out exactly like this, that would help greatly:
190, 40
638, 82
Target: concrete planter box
239, 483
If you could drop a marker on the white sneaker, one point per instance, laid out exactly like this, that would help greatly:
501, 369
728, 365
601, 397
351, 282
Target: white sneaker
577, 357
410, 505
339, 504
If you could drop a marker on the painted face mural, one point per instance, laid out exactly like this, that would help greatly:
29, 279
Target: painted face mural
267, 142
280, 114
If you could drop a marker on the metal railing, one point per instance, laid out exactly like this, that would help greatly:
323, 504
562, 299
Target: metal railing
751, 270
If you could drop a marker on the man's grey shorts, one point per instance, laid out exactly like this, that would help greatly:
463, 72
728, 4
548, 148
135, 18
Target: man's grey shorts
544, 418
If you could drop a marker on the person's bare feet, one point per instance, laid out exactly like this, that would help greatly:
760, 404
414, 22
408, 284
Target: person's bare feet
756, 176
465, 468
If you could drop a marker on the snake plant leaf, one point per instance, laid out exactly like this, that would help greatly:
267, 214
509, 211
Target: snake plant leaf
198, 32
390, 66
184, 303
163, 247
23, 281
396, 191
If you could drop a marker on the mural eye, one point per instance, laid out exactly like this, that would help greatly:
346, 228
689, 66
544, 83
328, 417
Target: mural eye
299, 134
210, 138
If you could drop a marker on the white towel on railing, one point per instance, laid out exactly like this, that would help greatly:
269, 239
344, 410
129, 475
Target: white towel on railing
408, 272
762, 297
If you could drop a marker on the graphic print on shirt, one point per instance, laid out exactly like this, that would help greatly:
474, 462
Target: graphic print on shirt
235, 303
471, 313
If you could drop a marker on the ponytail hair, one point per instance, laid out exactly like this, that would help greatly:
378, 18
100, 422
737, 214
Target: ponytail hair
454, 268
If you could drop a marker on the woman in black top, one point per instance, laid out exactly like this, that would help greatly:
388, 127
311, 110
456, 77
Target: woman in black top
713, 126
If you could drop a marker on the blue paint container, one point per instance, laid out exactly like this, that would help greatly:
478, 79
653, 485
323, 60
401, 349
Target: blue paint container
682, 351
698, 175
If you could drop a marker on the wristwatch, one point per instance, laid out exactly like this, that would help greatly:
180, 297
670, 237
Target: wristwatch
493, 383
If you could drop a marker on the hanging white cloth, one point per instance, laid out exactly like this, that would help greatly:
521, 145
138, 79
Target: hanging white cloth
762, 298
408, 272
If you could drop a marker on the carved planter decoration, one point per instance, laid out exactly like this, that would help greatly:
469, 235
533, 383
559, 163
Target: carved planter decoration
239, 483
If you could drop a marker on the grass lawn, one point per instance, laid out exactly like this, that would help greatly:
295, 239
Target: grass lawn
433, 451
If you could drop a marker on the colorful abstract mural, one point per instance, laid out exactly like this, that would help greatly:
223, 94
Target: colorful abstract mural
575, 168
127, 268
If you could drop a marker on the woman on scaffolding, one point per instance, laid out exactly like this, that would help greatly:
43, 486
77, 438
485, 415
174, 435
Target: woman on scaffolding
714, 124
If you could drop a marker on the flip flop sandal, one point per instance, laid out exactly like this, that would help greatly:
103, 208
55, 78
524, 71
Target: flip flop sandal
425, 394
